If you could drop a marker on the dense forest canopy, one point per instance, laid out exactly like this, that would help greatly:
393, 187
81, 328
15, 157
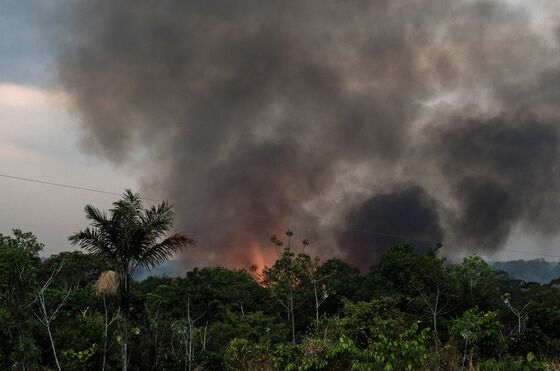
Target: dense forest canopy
219, 318
376, 128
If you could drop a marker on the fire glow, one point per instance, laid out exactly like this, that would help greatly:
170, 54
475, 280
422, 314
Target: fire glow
244, 118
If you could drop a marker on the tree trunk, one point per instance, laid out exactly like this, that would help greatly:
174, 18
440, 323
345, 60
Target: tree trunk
293, 319
191, 330
435, 324
105, 334
53, 347
435, 314
204, 337
316, 302
125, 339
125, 306
464, 355
47, 323
23, 366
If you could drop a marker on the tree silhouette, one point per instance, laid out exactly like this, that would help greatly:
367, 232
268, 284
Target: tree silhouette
129, 237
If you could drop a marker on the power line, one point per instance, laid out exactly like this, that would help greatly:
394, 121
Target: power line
434, 241
391, 235
31, 180
412, 238
404, 237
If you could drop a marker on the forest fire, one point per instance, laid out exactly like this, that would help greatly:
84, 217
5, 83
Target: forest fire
261, 258
242, 117
338, 179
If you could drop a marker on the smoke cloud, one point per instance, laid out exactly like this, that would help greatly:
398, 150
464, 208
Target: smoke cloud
432, 119
410, 214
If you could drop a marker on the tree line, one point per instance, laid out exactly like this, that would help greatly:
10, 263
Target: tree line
83, 311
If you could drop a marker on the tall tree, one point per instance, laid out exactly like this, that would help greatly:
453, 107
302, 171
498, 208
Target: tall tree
344, 281
43, 312
19, 267
287, 279
430, 279
128, 237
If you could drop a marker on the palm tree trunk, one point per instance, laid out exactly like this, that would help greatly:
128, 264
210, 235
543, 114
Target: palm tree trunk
125, 334
105, 335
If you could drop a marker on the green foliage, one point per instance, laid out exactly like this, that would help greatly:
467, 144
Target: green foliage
343, 282
360, 320
80, 331
315, 353
407, 351
479, 332
289, 282
126, 238
130, 236
242, 354
256, 326
393, 273
80, 360
529, 363
80, 269
219, 318
19, 267
356, 341
25, 353
19, 264
287, 275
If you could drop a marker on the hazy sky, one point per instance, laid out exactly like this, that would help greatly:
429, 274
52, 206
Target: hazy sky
40, 138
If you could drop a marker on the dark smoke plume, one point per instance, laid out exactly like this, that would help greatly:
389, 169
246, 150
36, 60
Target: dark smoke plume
502, 171
255, 116
401, 214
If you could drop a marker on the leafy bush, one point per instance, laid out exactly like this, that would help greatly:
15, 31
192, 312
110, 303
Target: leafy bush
479, 332
529, 363
407, 351
242, 354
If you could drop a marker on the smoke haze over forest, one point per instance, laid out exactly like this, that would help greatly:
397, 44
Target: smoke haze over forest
437, 120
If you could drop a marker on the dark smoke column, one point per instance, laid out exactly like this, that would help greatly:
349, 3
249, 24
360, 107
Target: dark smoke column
253, 116
405, 216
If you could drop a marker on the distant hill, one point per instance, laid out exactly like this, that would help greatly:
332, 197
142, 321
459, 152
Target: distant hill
536, 270
168, 268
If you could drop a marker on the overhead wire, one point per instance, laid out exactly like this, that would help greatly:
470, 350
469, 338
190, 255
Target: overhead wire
399, 236
69, 186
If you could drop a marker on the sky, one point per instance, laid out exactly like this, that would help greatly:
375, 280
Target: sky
41, 137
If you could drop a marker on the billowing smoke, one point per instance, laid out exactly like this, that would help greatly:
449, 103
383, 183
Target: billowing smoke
410, 214
502, 171
427, 118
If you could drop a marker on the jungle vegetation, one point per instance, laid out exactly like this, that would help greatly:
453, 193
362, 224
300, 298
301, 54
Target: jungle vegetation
82, 310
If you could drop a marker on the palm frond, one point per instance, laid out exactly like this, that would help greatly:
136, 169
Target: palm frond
130, 204
95, 216
157, 220
129, 236
162, 251
91, 240
150, 228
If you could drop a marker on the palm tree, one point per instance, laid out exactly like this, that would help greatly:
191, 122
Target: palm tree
129, 237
